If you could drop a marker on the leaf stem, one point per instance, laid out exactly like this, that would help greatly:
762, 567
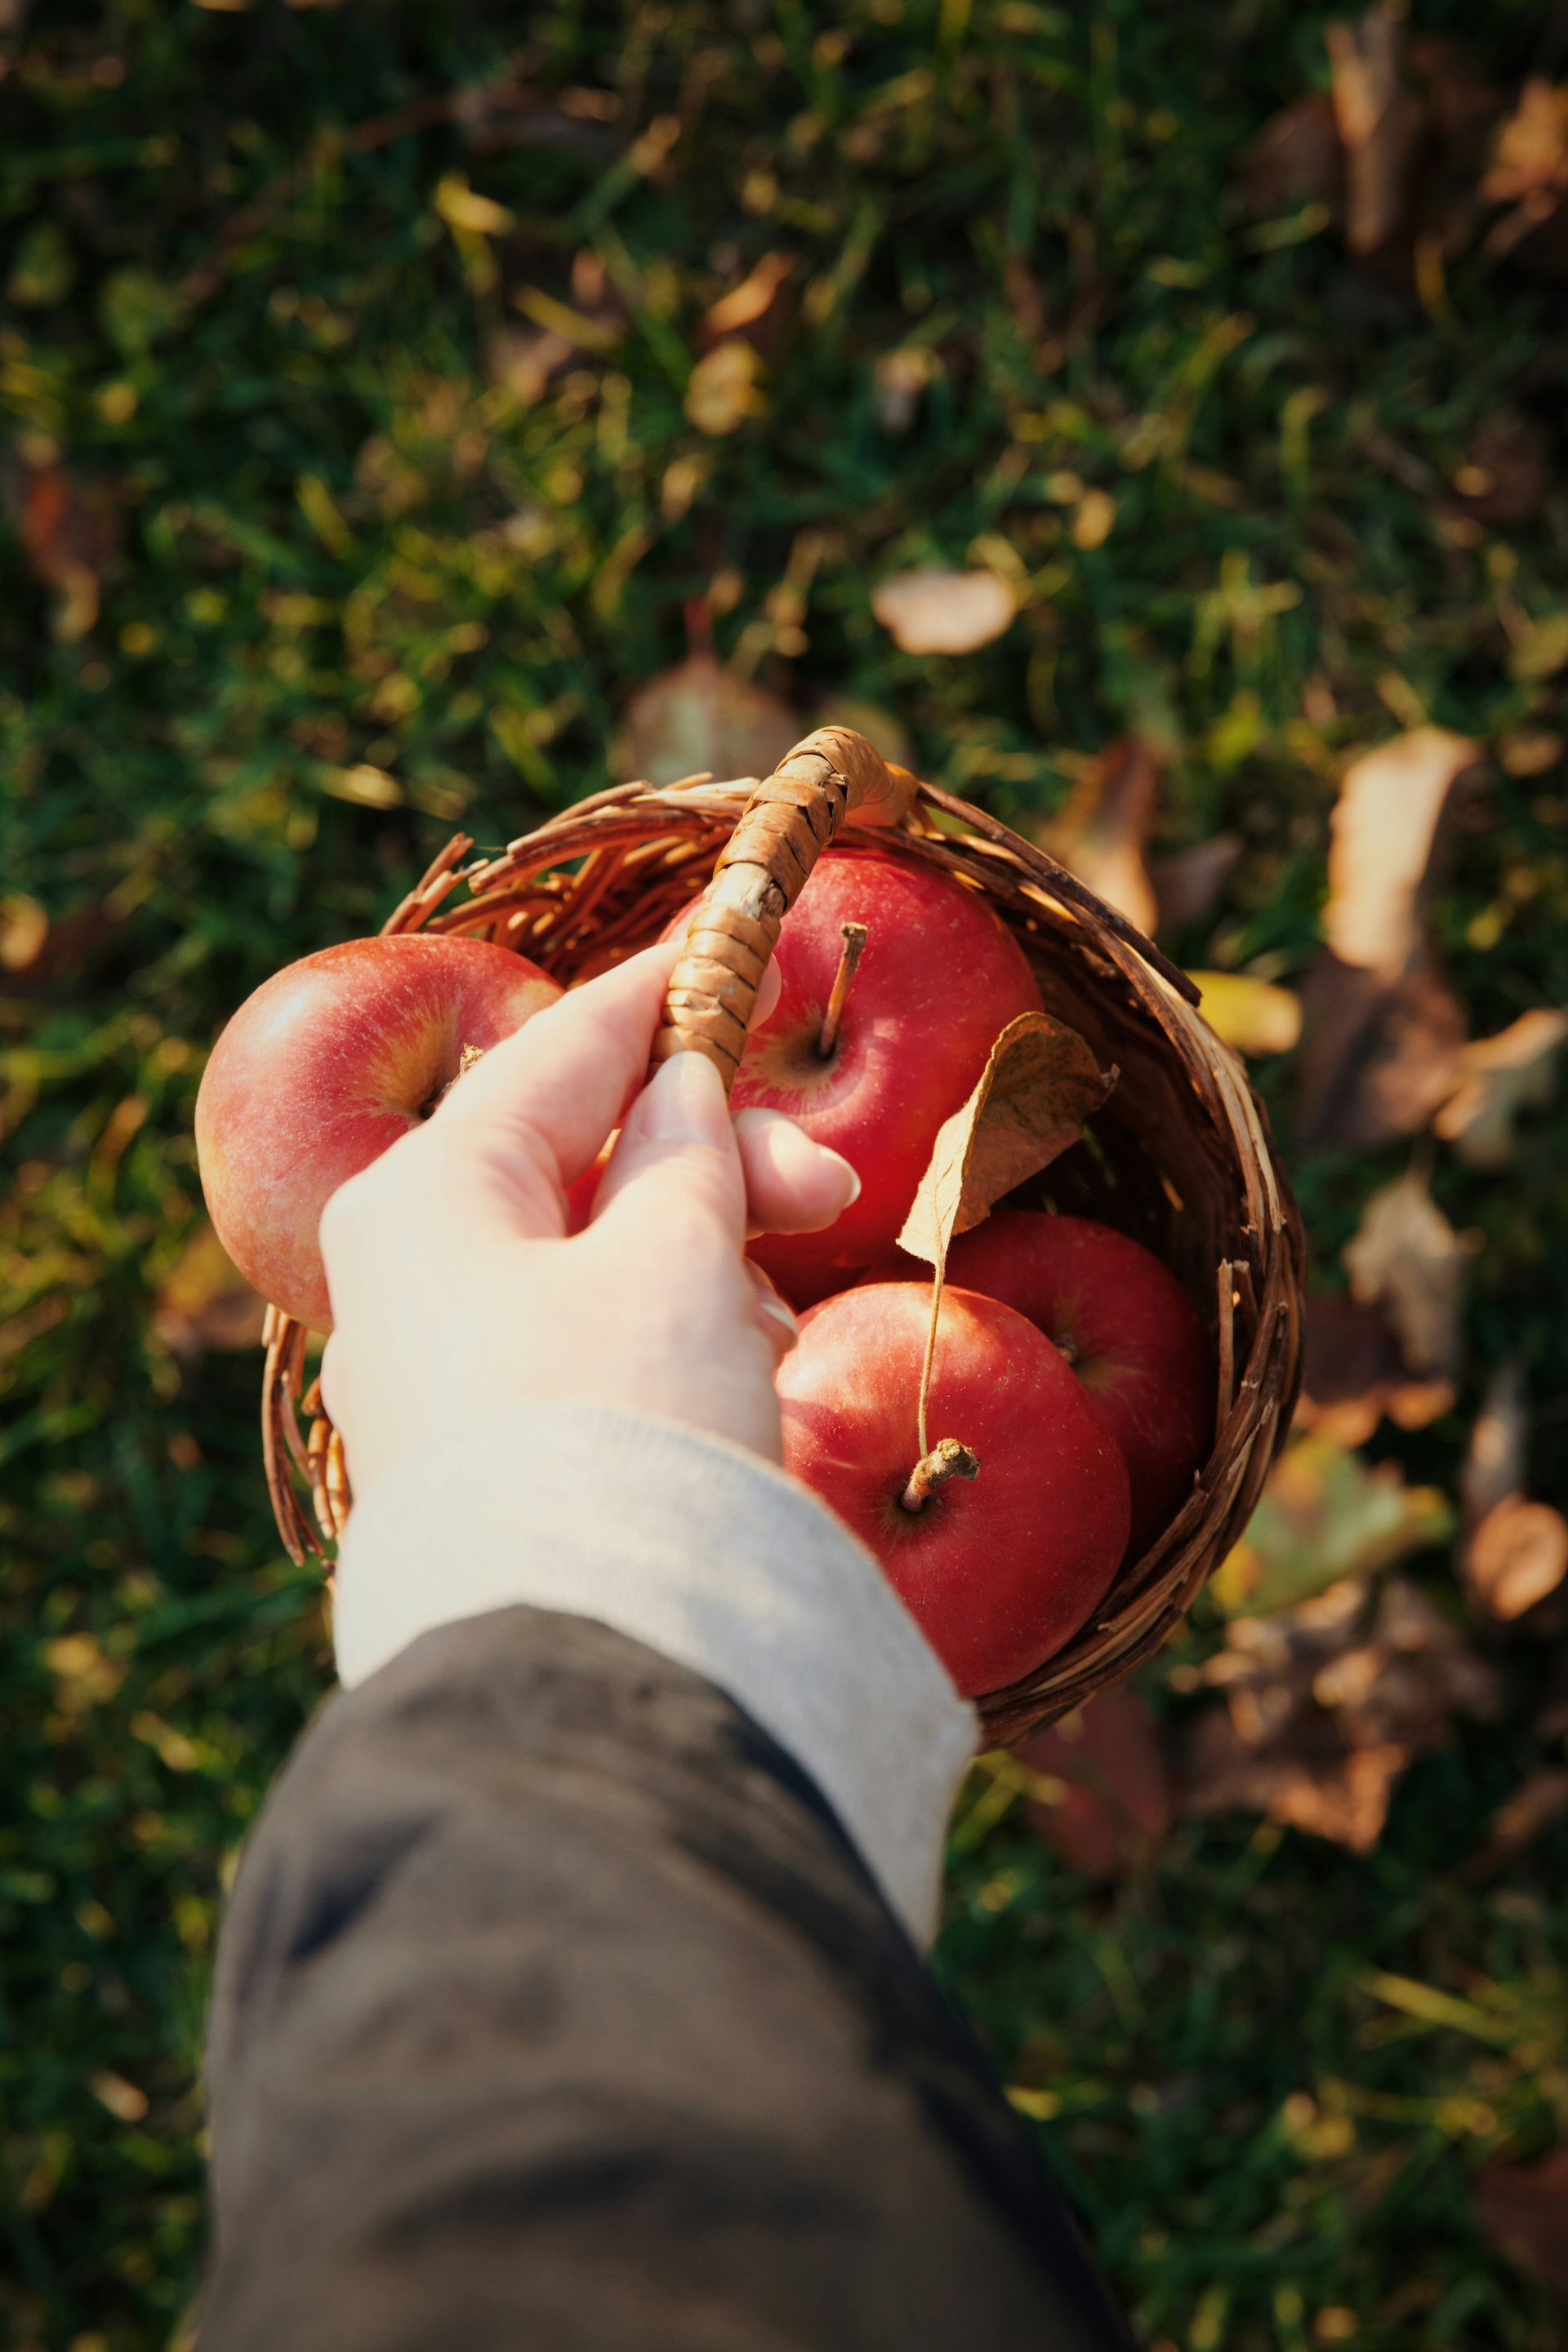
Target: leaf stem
938, 1277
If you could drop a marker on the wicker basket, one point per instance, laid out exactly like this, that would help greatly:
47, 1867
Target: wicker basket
1182, 1156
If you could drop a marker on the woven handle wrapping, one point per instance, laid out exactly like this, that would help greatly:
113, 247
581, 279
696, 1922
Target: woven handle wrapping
789, 821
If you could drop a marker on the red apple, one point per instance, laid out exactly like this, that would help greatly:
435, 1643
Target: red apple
1126, 1326
330, 1061
940, 975
999, 1566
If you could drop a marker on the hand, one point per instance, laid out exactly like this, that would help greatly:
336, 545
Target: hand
456, 1289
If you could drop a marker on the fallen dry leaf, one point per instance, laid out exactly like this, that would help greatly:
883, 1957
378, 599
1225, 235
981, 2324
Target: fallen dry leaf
71, 535
524, 362
935, 611
1498, 1078
1377, 1059
1515, 1556
1295, 159
1039, 1085
1496, 1457
1254, 1015
722, 389
206, 1302
1117, 1800
1101, 834
1189, 885
701, 718
1326, 1703
1385, 829
1523, 2208
1324, 1516
1406, 1258
1534, 1805
1528, 174
1379, 121
1383, 1032
1353, 1375
753, 308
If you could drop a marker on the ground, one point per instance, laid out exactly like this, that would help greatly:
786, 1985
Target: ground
360, 467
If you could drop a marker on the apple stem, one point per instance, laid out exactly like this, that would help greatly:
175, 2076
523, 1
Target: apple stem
948, 1459
466, 1060
854, 936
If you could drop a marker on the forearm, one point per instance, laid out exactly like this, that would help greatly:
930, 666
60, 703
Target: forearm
554, 2006
710, 1557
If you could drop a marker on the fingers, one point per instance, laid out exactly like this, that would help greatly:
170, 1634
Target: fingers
792, 1185
566, 1077
568, 1074
675, 1168
777, 1317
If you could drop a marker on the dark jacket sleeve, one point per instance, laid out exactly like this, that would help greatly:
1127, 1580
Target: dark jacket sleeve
554, 2011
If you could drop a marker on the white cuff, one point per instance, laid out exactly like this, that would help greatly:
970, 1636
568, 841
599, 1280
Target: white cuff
708, 1555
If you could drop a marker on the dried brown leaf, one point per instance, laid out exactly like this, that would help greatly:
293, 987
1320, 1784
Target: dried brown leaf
1353, 1375
1326, 1703
754, 308
1039, 1085
1534, 1805
1377, 1059
701, 718
70, 534
1498, 1078
1117, 1799
1524, 2212
1379, 121
1341, 1795
1407, 1258
1495, 1459
1189, 885
1101, 834
1528, 175
936, 612
1295, 159
1516, 1555
1385, 831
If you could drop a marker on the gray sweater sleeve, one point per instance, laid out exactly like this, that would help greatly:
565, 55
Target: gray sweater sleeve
555, 2010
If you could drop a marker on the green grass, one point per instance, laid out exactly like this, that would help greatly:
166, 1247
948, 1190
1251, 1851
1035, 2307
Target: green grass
341, 543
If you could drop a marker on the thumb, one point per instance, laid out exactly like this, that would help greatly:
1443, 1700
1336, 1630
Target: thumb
676, 1157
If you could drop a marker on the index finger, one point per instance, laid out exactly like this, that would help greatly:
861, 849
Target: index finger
565, 1078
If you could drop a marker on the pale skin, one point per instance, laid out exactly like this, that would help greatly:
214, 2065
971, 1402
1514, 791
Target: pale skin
457, 1291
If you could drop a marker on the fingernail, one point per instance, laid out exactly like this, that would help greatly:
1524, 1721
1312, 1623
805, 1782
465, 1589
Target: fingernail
777, 1312
852, 1175
685, 1102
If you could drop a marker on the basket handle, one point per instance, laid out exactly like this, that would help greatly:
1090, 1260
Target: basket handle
791, 818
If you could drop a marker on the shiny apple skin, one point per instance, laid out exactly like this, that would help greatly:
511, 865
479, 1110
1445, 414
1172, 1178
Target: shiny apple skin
329, 1062
1127, 1329
938, 978
1000, 1572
